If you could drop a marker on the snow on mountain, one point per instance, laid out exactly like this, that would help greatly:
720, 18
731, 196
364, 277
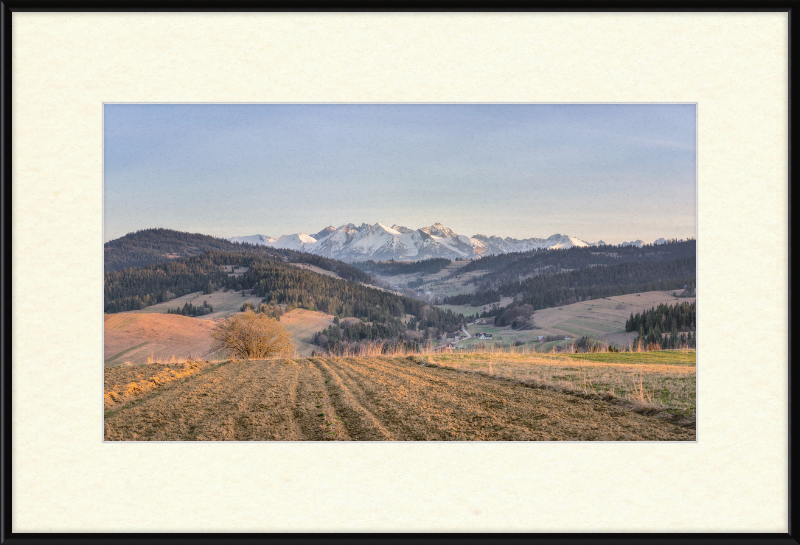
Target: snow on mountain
324, 233
659, 241
381, 242
299, 241
401, 229
497, 245
637, 243
439, 230
255, 239
294, 242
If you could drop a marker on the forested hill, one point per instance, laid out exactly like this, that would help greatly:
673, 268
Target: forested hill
275, 281
154, 246
151, 246
555, 290
504, 268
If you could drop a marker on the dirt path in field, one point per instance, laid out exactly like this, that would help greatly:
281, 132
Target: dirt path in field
367, 399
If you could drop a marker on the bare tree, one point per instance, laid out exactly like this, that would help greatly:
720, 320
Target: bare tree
252, 336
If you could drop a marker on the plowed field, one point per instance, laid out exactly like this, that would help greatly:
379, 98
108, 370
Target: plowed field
363, 399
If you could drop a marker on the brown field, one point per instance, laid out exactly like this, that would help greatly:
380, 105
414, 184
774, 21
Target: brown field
136, 336
133, 337
664, 381
363, 399
302, 324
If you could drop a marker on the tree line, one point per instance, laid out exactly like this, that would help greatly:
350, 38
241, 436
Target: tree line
154, 246
555, 290
665, 326
392, 267
512, 266
191, 310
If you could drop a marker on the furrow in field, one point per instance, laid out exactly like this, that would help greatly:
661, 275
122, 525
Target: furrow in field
235, 401
421, 403
313, 409
371, 398
349, 401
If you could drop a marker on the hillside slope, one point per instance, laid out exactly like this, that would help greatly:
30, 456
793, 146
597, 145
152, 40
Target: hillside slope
129, 336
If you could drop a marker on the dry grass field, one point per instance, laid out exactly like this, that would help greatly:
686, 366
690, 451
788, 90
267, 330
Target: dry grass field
663, 381
133, 337
224, 303
314, 268
364, 399
302, 324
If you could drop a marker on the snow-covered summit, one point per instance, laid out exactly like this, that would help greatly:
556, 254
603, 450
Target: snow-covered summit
378, 241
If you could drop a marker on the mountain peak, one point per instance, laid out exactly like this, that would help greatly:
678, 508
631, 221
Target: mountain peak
439, 230
325, 232
378, 241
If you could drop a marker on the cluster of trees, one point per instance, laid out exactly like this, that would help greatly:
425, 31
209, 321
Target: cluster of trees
551, 338
429, 323
520, 317
272, 310
590, 344
191, 310
680, 317
666, 326
392, 267
554, 290
655, 340
479, 298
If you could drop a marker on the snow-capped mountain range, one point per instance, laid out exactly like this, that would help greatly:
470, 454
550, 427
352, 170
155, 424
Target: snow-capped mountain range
380, 242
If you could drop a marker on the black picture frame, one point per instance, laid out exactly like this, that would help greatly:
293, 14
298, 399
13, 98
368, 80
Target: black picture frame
8, 8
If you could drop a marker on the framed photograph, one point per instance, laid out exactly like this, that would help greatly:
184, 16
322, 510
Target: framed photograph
414, 256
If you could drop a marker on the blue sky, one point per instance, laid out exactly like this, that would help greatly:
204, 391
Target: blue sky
610, 172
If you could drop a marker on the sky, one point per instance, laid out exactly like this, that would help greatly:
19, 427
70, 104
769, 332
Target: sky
593, 171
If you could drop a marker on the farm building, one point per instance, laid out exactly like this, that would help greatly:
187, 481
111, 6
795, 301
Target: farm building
485, 336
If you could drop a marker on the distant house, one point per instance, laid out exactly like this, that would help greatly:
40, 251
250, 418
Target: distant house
539, 338
485, 336
567, 338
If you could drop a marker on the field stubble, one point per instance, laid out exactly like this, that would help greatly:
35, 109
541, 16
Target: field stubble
414, 398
